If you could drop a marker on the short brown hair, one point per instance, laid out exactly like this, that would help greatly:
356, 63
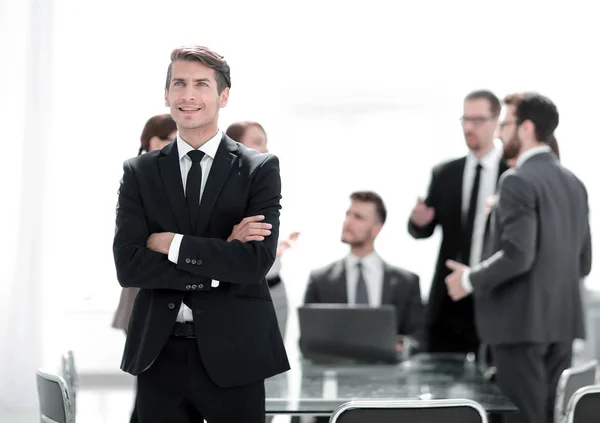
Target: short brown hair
513, 99
205, 56
371, 197
236, 130
491, 98
538, 109
553, 143
161, 126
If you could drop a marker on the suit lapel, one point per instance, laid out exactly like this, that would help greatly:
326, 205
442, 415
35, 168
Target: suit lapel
457, 204
340, 289
488, 241
170, 172
389, 285
225, 158
502, 167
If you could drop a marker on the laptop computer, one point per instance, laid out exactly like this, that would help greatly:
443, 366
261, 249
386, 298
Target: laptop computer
339, 333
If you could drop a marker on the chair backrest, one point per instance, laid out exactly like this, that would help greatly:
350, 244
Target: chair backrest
570, 381
69, 374
55, 404
584, 406
408, 411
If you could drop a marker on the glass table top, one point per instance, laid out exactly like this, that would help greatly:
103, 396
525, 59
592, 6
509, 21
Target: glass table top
425, 376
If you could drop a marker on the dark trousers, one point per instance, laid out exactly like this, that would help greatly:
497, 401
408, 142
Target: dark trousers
177, 389
452, 336
528, 374
452, 328
134, 417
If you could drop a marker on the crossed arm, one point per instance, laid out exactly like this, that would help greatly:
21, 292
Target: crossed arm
244, 258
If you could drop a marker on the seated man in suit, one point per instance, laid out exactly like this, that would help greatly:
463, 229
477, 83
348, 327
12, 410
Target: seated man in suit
362, 277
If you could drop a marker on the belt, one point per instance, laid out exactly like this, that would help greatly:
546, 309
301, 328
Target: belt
183, 330
273, 281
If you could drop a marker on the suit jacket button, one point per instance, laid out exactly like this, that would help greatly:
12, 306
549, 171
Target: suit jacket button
193, 261
199, 262
200, 286
171, 306
194, 286
188, 287
187, 260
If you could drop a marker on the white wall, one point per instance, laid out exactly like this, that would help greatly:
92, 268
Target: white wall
353, 96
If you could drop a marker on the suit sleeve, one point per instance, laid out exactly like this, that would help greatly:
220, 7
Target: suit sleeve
419, 232
586, 251
414, 315
311, 296
517, 242
136, 265
237, 262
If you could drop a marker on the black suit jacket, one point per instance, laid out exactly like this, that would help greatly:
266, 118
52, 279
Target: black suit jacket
445, 196
236, 327
400, 289
529, 290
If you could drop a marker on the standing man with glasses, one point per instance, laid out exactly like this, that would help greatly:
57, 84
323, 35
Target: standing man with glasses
203, 334
456, 201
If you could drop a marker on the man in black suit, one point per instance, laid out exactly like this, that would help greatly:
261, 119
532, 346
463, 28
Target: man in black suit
363, 277
528, 299
456, 201
203, 334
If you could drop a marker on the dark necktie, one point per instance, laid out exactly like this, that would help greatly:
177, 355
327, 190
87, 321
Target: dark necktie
362, 296
192, 186
470, 219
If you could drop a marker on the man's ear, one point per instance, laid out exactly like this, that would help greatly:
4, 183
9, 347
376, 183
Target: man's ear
224, 98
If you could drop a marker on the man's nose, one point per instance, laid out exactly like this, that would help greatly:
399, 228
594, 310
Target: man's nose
189, 93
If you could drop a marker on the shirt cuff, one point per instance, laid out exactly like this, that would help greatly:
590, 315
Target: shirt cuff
174, 248
466, 281
174, 255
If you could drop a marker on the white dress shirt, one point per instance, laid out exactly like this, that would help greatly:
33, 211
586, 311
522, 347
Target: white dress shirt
487, 187
466, 280
372, 269
209, 149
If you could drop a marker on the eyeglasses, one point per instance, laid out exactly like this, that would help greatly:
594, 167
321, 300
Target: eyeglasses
476, 120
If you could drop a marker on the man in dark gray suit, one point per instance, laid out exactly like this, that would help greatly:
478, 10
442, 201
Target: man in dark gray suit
528, 304
363, 277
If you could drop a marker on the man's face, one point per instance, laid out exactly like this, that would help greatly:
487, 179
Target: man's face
361, 224
479, 125
508, 133
193, 97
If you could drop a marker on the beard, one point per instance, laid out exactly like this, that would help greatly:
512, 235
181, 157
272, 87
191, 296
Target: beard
512, 148
353, 242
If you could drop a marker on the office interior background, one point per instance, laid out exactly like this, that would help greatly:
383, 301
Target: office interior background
353, 95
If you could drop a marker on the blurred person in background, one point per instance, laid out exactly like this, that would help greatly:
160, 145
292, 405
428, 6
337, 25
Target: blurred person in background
456, 201
159, 131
